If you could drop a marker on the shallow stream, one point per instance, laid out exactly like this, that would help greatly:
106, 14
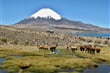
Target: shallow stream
103, 68
1, 61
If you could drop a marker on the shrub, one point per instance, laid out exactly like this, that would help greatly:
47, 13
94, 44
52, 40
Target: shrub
89, 41
26, 43
15, 42
82, 39
4, 40
106, 42
98, 41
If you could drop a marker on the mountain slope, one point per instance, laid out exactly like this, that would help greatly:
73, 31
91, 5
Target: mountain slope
50, 19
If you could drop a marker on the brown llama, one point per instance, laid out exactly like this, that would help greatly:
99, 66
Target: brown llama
53, 49
73, 49
97, 50
82, 48
92, 50
43, 48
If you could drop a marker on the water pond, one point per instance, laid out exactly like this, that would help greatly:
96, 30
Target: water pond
104, 35
103, 68
1, 61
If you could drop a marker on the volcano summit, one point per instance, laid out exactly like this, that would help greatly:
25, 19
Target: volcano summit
46, 13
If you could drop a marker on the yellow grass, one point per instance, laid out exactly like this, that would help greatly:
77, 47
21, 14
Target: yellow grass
43, 62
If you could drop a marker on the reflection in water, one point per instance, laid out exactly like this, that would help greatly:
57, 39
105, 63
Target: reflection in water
103, 68
3, 71
1, 61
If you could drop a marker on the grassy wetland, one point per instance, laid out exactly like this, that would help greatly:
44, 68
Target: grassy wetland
20, 49
43, 62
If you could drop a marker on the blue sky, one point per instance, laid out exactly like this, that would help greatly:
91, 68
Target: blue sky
88, 11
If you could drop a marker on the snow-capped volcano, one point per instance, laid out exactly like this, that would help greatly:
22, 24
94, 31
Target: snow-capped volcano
46, 13
48, 18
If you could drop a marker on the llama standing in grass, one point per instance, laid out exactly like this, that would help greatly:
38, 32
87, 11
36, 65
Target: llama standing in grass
73, 49
53, 49
43, 47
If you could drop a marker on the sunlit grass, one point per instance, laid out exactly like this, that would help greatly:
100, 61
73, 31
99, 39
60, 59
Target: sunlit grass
44, 62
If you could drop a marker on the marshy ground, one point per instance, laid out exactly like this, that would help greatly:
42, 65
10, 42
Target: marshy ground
43, 62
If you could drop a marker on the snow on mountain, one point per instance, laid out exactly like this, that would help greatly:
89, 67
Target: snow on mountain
50, 19
46, 13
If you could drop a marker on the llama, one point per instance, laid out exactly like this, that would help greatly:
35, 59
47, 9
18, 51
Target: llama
53, 49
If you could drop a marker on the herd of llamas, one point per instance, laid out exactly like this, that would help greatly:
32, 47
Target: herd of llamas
92, 49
